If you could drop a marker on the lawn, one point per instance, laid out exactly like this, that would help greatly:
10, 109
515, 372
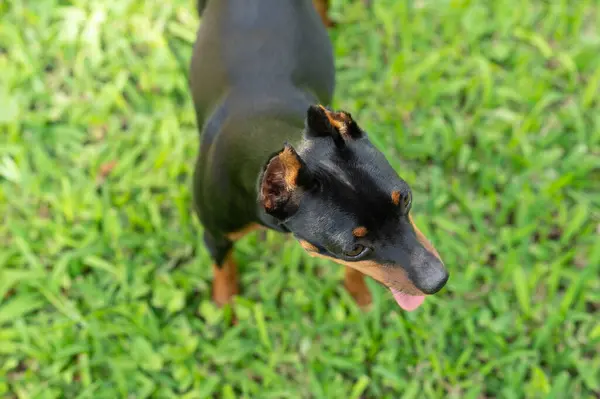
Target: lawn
489, 109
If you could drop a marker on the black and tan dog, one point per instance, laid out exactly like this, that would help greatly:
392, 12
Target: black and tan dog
270, 157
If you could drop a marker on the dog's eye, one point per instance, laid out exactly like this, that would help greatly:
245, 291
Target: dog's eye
357, 251
407, 201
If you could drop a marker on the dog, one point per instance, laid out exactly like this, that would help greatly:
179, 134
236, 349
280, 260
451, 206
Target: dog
273, 154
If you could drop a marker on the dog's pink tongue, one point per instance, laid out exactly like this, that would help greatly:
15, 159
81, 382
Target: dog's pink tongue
407, 302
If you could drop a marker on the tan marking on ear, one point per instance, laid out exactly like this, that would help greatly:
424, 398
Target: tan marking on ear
291, 167
268, 204
338, 124
423, 240
396, 197
237, 235
308, 246
345, 117
359, 232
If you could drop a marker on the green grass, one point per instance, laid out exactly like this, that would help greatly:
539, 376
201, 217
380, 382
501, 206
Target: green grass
489, 109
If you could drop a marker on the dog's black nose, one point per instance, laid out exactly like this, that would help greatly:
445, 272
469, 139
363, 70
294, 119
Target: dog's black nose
436, 279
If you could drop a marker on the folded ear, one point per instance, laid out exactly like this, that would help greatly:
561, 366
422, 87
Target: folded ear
281, 183
322, 122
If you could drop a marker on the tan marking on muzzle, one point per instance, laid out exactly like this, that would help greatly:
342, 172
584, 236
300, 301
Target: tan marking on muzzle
390, 276
308, 246
423, 240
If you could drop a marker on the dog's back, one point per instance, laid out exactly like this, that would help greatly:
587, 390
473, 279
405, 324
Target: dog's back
257, 67
260, 51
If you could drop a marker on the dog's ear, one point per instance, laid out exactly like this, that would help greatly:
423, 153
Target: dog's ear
321, 122
284, 178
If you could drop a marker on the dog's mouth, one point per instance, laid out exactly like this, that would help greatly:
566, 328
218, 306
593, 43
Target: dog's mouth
405, 293
408, 293
427, 272
406, 301
410, 297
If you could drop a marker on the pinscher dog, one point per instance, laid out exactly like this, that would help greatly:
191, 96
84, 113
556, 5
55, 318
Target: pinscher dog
272, 155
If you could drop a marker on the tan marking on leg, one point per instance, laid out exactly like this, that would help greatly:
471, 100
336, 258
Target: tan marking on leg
354, 281
225, 283
237, 235
322, 7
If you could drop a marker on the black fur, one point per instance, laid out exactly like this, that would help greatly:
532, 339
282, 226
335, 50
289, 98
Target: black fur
355, 184
200, 6
258, 70
257, 66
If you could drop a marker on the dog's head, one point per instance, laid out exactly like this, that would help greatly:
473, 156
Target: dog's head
342, 200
